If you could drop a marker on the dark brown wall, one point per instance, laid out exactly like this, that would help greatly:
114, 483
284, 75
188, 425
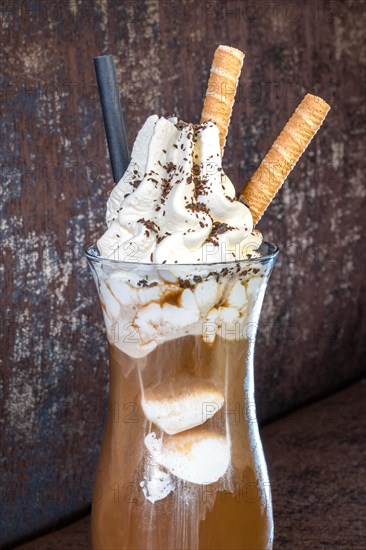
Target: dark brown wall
55, 181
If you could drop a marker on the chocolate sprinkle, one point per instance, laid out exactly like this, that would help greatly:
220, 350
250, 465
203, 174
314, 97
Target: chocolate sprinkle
149, 224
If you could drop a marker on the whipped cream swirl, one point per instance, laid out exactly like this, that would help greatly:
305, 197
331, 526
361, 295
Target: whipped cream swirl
175, 204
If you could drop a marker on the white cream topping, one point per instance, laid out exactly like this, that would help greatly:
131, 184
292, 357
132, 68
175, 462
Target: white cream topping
174, 204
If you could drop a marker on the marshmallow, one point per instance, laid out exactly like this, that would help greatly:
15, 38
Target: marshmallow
182, 403
154, 319
207, 294
197, 456
237, 296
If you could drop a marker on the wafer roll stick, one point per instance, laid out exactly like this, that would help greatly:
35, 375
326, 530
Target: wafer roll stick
221, 89
284, 154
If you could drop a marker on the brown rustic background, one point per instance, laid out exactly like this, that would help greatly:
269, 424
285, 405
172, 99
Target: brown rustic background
55, 181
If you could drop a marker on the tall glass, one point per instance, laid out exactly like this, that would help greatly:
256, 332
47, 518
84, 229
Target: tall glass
182, 465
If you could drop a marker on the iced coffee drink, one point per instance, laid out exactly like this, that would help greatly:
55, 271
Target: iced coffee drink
181, 274
182, 465
181, 285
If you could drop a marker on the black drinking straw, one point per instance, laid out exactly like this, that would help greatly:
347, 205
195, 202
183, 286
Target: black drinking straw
112, 114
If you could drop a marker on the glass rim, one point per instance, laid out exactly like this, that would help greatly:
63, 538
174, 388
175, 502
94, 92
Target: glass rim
272, 253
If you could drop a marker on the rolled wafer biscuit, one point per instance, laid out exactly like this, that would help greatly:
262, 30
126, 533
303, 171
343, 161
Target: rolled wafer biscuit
284, 154
221, 89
